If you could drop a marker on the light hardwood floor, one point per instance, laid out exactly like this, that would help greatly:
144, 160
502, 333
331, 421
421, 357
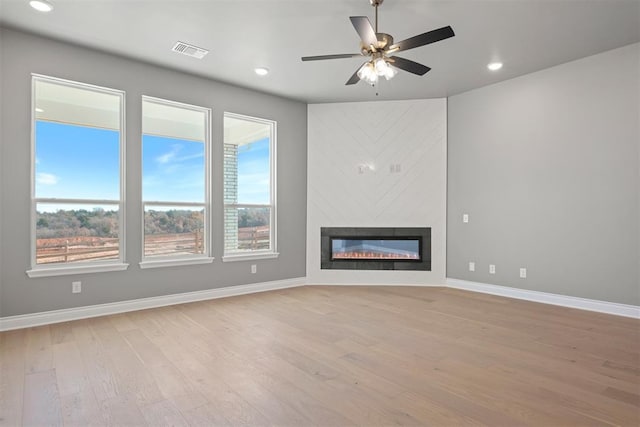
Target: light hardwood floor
329, 356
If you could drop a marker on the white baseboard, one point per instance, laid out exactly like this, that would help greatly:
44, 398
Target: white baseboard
422, 285
543, 297
65, 315
57, 316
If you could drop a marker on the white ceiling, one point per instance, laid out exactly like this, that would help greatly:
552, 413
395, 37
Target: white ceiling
527, 35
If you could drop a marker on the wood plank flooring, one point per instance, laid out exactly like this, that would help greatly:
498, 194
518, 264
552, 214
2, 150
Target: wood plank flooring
328, 356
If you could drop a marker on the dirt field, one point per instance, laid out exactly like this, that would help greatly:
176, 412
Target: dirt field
86, 248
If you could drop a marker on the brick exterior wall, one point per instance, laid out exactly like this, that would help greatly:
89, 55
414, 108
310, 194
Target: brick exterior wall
230, 196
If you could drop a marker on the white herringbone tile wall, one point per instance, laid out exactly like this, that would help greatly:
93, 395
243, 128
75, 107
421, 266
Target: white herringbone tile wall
354, 150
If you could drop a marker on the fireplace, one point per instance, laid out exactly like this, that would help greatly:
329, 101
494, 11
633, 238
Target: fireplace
380, 248
369, 248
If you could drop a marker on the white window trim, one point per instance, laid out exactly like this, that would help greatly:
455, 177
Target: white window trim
68, 269
273, 173
174, 262
240, 256
158, 261
46, 270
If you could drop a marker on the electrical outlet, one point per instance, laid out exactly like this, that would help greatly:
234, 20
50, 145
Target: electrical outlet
465, 218
523, 273
76, 287
254, 269
472, 266
492, 269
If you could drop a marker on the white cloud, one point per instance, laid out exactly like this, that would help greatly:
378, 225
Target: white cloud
191, 157
169, 156
172, 156
46, 179
166, 158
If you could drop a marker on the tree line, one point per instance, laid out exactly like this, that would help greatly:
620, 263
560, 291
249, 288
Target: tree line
81, 222
104, 223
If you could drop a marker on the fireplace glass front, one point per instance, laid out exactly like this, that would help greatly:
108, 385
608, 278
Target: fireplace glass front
376, 249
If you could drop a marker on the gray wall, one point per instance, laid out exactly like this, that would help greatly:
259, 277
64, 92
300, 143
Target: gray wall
23, 54
547, 167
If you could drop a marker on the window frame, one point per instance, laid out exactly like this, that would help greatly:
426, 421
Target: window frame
183, 259
272, 252
45, 270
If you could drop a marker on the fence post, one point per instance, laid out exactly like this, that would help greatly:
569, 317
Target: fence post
254, 238
66, 251
196, 245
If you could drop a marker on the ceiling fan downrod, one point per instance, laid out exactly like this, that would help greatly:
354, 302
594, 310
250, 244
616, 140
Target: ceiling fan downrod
376, 3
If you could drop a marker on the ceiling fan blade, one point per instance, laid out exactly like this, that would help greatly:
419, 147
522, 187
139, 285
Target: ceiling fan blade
365, 30
321, 57
410, 66
423, 39
354, 78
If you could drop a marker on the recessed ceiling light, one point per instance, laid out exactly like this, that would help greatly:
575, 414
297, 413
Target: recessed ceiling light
261, 71
39, 110
41, 5
494, 66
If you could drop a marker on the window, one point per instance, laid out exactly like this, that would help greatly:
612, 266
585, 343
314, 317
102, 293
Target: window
249, 188
175, 183
77, 185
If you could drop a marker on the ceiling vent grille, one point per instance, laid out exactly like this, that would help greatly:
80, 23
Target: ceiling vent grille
189, 50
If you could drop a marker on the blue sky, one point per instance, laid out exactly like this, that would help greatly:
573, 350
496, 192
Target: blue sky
76, 162
253, 172
172, 170
82, 162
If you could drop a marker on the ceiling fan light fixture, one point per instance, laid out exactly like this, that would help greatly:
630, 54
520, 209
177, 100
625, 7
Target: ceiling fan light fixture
384, 69
390, 72
381, 66
41, 5
368, 73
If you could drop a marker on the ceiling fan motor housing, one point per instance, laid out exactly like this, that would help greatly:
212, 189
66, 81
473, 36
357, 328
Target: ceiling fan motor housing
384, 41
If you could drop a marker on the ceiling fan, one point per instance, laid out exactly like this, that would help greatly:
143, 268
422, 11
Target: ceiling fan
380, 49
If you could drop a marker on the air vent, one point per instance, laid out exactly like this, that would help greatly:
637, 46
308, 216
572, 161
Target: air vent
190, 50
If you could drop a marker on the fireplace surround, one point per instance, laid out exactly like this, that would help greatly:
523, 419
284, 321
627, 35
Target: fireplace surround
375, 248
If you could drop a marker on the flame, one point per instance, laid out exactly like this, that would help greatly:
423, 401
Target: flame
373, 255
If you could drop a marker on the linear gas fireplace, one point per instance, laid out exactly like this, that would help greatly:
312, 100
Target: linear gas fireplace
380, 248
367, 248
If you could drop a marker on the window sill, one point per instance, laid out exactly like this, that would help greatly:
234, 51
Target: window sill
174, 262
249, 256
75, 269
